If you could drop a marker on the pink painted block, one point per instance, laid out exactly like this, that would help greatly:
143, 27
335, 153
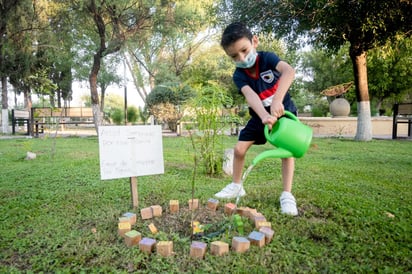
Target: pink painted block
230, 208
268, 233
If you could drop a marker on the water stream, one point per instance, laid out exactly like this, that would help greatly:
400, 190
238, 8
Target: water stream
244, 177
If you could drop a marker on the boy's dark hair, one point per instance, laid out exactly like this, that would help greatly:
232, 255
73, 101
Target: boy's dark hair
234, 32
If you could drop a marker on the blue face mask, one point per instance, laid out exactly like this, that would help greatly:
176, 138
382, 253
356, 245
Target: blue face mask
249, 61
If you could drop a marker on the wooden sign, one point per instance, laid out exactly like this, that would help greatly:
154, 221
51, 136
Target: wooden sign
130, 151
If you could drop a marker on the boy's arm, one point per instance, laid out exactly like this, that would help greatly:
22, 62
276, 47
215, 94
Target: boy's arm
255, 103
287, 75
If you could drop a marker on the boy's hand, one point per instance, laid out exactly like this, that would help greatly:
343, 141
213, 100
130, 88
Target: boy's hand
269, 120
277, 109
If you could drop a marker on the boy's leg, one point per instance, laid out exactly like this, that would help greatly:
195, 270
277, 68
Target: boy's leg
287, 200
288, 169
239, 159
235, 188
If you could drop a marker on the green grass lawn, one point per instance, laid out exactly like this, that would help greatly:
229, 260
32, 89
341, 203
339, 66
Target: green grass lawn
354, 202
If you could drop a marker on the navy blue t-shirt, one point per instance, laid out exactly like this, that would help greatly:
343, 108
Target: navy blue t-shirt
265, 83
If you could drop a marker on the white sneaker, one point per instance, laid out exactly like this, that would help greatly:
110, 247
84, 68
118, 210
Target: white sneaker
231, 191
288, 204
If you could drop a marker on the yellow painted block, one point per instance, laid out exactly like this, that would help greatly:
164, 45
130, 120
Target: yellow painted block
164, 248
153, 228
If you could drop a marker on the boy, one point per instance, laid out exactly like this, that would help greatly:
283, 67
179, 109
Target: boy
264, 81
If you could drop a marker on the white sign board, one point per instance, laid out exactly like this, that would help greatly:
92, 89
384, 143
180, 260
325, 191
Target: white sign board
130, 151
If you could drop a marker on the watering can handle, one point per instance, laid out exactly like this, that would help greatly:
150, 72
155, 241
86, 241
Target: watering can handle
288, 114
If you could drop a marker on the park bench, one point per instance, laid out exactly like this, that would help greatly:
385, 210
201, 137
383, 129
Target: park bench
40, 117
402, 114
20, 117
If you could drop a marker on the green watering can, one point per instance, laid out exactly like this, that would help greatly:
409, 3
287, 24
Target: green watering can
290, 137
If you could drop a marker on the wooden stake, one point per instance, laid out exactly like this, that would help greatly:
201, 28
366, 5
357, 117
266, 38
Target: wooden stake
133, 191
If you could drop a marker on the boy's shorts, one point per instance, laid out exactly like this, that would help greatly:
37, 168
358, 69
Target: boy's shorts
254, 131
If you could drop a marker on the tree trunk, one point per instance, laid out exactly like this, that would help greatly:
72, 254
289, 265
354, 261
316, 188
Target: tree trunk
93, 91
4, 106
364, 125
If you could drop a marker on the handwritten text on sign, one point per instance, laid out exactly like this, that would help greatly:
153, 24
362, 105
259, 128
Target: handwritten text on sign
129, 151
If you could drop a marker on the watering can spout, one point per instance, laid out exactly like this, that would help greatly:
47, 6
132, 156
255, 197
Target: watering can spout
289, 135
274, 153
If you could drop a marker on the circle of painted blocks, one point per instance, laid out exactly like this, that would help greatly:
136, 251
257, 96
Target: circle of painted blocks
164, 248
212, 204
219, 248
132, 238
147, 245
257, 238
268, 233
146, 213
174, 206
156, 210
130, 216
193, 204
240, 244
198, 249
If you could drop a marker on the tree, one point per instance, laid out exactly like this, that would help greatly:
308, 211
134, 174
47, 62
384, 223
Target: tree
163, 53
114, 22
364, 24
10, 16
322, 70
166, 102
389, 73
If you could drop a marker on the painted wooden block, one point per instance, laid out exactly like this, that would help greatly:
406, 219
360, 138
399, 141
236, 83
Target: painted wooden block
240, 244
147, 245
219, 248
132, 238
198, 249
153, 228
164, 248
268, 233
123, 228
260, 224
257, 238
131, 216
249, 214
193, 204
243, 211
146, 213
256, 216
156, 210
174, 206
212, 204
230, 208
